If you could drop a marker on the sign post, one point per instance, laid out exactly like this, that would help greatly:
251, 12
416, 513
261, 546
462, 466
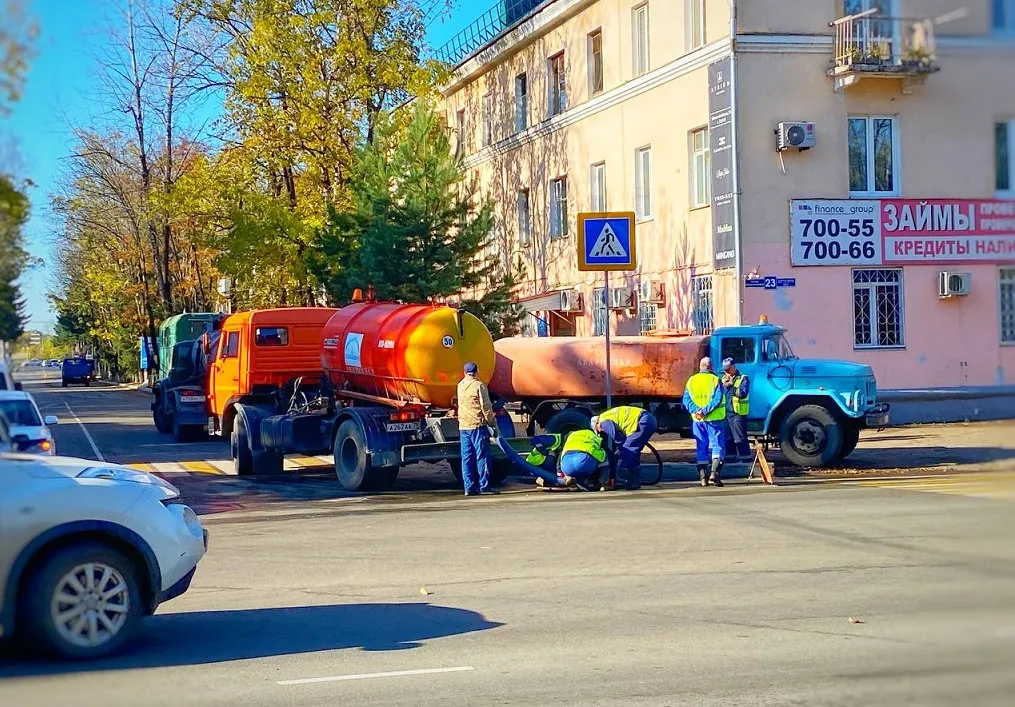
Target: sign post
606, 243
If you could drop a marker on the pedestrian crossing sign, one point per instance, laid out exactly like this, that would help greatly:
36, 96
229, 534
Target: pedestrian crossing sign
606, 241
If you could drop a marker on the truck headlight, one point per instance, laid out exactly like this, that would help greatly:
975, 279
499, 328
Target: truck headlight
861, 400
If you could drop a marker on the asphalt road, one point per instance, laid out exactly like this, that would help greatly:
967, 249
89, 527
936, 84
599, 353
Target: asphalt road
843, 592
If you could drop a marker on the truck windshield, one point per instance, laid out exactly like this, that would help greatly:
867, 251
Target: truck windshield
776, 348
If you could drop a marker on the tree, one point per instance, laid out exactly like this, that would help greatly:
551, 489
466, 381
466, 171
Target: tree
13, 259
416, 230
17, 33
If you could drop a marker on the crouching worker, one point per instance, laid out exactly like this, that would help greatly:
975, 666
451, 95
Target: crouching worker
630, 429
704, 399
545, 451
583, 459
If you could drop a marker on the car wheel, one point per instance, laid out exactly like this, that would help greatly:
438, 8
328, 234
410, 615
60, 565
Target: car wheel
811, 437
83, 602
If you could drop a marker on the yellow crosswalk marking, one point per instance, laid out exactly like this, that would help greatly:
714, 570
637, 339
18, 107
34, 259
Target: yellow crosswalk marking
302, 462
142, 467
994, 485
200, 467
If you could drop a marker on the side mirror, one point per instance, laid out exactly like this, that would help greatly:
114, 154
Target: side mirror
51, 420
18, 386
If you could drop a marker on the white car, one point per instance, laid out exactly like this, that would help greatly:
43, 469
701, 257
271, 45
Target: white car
89, 549
28, 429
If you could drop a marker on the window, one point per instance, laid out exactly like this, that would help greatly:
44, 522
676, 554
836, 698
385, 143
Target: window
877, 309
740, 349
1004, 15
701, 169
20, 412
460, 133
701, 303
521, 102
643, 183
694, 18
600, 314
558, 207
486, 107
639, 39
647, 317
524, 218
230, 345
873, 156
271, 336
597, 185
1006, 279
1004, 158
595, 63
558, 88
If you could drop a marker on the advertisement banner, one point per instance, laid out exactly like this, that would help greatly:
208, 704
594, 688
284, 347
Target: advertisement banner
901, 231
720, 136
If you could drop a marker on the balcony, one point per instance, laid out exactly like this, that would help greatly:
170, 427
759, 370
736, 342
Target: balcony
868, 46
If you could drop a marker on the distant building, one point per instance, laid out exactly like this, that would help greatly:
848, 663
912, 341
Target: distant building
843, 171
33, 338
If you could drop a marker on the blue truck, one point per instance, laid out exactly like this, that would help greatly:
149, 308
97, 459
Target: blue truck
77, 370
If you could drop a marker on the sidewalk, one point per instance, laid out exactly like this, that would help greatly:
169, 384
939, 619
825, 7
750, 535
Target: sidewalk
936, 405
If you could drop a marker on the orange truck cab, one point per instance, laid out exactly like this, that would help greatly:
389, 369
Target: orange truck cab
260, 354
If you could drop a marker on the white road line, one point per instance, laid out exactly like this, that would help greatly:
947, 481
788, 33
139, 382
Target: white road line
84, 429
370, 676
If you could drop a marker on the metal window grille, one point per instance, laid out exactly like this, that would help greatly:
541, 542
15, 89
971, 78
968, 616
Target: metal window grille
600, 314
701, 299
647, 317
877, 309
1006, 276
558, 208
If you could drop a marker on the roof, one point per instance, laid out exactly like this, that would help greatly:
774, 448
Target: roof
750, 330
497, 21
15, 395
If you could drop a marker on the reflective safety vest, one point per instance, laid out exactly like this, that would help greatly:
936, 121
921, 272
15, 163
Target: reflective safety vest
625, 416
741, 406
536, 457
587, 441
702, 387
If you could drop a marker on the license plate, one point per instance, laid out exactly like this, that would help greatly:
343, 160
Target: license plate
403, 426
191, 398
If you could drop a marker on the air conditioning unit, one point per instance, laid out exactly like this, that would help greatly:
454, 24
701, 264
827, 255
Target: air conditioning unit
621, 299
570, 301
955, 284
798, 135
652, 291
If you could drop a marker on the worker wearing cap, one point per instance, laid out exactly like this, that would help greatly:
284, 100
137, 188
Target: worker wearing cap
629, 428
737, 389
704, 400
475, 415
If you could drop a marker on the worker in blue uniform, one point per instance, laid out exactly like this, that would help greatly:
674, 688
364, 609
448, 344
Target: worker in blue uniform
704, 399
545, 451
629, 428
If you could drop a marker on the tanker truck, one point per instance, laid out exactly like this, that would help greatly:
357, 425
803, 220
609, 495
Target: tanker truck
381, 397
812, 409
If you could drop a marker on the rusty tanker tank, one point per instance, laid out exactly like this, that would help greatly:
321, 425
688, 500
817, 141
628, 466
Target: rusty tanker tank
404, 352
575, 368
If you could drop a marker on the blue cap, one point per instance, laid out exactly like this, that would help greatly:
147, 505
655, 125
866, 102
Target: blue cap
726, 363
471, 368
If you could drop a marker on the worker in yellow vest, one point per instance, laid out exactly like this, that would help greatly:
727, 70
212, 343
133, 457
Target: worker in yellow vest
737, 388
583, 457
629, 428
705, 401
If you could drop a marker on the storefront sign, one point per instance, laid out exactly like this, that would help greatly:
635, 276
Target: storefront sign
720, 136
901, 231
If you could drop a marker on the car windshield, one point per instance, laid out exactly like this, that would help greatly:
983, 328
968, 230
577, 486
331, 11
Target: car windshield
776, 348
20, 412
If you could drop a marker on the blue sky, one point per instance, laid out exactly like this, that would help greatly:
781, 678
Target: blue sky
58, 95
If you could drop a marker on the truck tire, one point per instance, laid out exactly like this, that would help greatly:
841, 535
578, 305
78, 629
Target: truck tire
163, 422
811, 437
850, 438
239, 448
352, 466
567, 421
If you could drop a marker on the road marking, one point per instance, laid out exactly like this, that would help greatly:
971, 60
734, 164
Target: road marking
84, 429
303, 462
370, 676
996, 485
200, 467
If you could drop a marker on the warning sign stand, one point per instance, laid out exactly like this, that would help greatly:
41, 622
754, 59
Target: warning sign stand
765, 466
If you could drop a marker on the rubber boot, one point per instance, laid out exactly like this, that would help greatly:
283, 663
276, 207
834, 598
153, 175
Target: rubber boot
716, 469
703, 475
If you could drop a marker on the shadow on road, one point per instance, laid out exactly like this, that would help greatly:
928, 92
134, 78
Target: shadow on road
203, 637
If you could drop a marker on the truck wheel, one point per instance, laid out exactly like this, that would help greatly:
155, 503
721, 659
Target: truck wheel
811, 437
163, 422
352, 468
850, 438
567, 421
239, 448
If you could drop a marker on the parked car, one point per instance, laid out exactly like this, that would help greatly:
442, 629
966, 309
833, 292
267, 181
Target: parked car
7, 381
28, 429
89, 550
76, 370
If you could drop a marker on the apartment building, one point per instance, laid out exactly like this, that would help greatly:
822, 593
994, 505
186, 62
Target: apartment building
843, 166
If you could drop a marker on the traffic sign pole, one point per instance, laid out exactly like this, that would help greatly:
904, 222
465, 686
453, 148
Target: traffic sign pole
606, 298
